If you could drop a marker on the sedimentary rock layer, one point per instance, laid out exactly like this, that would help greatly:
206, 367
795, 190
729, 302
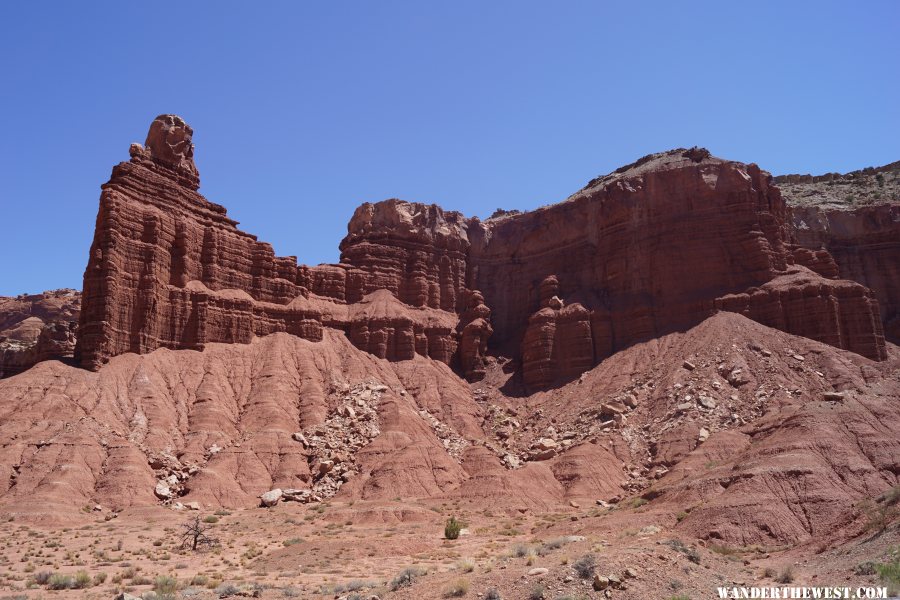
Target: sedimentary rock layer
658, 246
37, 327
167, 268
655, 247
865, 244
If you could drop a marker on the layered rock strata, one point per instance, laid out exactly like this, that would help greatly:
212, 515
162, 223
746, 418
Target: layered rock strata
169, 269
658, 246
37, 327
654, 247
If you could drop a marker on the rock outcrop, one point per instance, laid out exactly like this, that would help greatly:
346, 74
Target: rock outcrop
865, 244
853, 218
37, 327
658, 246
169, 269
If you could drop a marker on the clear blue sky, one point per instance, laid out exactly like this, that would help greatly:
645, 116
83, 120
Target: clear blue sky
303, 110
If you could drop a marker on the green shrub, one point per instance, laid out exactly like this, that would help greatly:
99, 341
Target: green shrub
99, 578
199, 580
492, 594
890, 575
42, 577
536, 593
452, 528
211, 519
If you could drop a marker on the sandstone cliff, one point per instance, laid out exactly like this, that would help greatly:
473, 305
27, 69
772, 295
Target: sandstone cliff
655, 247
169, 269
37, 327
855, 218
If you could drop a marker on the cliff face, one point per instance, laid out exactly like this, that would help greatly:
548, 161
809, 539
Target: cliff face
855, 217
655, 247
37, 327
865, 244
169, 269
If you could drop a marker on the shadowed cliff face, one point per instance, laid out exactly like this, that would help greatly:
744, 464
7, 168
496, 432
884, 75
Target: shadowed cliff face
655, 247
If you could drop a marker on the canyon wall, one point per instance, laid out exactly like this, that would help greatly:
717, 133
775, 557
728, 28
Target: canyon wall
865, 244
37, 327
657, 247
654, 247
169, 269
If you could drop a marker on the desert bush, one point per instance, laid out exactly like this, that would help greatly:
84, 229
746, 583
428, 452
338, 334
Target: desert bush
58, 581
99, 578
452, 528
492, 594
465, 565
211, 519
165, 584
82, 580
457, 589
405, 578
889, 573
585, 566
199, 580
227, 589
536, 593
786, 575
42, 577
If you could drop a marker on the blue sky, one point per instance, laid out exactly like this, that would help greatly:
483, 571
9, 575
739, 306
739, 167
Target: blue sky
303, 110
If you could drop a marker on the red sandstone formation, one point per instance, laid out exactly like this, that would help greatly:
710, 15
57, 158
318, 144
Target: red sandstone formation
658, 246
865, 244
676, 344
169, 269
37, 327
654, 247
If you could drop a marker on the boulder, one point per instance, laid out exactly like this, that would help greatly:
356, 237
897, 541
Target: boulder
271, 497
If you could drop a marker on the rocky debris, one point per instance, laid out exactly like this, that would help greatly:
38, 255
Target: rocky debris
833, 396
537, 571
706, 402
162, 490
332, 446
544, 449
453, 443
271, 497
